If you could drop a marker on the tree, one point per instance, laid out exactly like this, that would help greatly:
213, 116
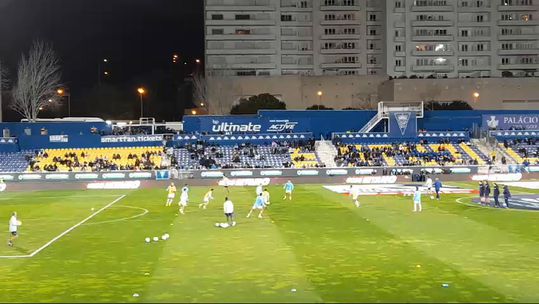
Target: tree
200, 90
4, 82
258, 102
38, 78
319, 107
448, 105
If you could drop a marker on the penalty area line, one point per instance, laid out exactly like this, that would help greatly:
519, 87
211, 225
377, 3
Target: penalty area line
65, 232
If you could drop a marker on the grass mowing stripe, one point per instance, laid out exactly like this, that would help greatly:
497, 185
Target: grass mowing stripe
246, 263
473, 250
66, 231
363, 262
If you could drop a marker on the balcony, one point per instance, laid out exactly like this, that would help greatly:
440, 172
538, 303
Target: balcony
329, 65
400, 69
341, 37
340, 22
518, 22
296, 51
339, 51
519, 52
251, 65
294, 6
375, 51
399, 24
432, 8
432, 23
468, 68
475, 38
400, 54
242, 5
240, 22
474, 9
509, 8
245, 51
433, 68
518, 37
337, 7
519, 66
432, 53
241, 37
433, 38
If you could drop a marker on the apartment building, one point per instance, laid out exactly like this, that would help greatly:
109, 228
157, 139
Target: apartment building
462, 38
453, 38
294, 37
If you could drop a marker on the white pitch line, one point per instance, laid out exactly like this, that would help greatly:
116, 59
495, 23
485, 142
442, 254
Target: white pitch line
65, 232
459, 200
144, 212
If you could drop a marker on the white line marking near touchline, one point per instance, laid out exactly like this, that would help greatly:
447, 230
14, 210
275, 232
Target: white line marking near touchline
65, 232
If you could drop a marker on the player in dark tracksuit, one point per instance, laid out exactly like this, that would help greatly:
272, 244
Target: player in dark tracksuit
437, 188
496, 195
481, 193
487, 194
506, 195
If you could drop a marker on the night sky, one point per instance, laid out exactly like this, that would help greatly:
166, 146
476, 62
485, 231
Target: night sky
138, 37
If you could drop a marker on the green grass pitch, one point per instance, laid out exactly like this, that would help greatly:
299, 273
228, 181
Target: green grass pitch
317, 248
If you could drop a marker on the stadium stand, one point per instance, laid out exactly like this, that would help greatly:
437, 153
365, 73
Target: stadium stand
277, 155
409, 154
14, 162
523, 151
98, 159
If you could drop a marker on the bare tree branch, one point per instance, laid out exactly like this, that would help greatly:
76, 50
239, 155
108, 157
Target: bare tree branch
200, 89
38, 78
4, 80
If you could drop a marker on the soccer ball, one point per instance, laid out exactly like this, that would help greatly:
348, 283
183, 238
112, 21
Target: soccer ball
155, 239
217, 224
147, 240
431, 197
165, 237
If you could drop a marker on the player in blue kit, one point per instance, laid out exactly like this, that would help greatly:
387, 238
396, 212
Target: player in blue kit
288, 188
260, 204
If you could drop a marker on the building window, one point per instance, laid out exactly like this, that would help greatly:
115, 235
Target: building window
217, 31
398, 62
505, 60
464, 48
243, 32
286, 17
243, 17
372, 17
398, 48
217, 17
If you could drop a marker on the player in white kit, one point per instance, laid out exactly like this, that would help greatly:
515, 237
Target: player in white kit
354, 193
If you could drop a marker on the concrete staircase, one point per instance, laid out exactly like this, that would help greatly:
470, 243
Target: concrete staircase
326, 152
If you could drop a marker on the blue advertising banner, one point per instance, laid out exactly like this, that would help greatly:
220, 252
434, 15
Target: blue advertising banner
402, 124
234, 125
511, 121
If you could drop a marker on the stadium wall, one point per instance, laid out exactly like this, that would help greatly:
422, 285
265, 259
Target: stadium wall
339, 92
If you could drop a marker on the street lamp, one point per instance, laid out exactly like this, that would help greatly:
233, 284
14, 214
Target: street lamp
319, 93
141, 91
62, 92
475, 96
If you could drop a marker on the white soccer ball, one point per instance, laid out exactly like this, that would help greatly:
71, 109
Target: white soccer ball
147, 240
136, 295
156, 239
217, 224
165, 237
431, 197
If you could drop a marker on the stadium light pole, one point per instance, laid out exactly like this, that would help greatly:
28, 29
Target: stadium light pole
319, 93
141, 91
